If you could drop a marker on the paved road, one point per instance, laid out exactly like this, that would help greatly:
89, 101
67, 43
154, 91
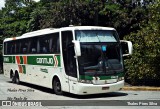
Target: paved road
26, 91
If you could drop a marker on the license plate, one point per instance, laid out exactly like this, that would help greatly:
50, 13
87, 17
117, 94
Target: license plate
105, 88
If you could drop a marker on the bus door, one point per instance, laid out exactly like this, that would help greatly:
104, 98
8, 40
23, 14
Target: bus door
69, 60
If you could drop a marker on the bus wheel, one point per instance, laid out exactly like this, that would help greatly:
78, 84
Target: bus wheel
17, 81
57, 87
13, 78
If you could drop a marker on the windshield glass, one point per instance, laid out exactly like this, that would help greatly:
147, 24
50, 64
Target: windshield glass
100, 59
100, 52
96, 35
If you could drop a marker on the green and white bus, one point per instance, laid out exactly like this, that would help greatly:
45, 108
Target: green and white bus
77, 59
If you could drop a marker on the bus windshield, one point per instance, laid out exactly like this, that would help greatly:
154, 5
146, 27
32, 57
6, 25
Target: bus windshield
100, 52
96, 35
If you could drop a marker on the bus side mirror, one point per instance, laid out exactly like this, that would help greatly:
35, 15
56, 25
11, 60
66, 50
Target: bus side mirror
127, 47
77, 48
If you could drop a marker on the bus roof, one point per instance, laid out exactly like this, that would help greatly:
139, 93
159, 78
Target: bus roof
52, 30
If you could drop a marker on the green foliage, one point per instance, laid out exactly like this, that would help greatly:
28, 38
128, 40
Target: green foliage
30, 16
14, 17
144, 66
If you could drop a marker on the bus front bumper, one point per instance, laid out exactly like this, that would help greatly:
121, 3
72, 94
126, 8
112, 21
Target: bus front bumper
85, 89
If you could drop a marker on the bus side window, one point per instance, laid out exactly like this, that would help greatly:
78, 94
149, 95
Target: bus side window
5, 48
13, 48
33, 45
24, 50
49, 43
42, 45
24, 47
54, 43
18, 44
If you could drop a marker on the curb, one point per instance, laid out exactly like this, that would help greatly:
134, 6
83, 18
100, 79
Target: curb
140, 88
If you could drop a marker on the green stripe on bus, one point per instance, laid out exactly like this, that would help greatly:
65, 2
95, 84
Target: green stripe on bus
36, 60
59, 61
21, 60
83, 77
42, 60
13, 59
24, 69
9, 59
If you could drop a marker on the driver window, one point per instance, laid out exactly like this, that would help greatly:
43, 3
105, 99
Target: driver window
68, 54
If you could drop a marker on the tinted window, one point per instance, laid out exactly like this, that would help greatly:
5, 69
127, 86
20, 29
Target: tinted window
68, 54
49, 43
5, 48
17, 46
24, 48
32, 45
44, 44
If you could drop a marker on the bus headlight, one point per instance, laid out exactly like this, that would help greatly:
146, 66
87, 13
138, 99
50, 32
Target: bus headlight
86, 81
120, 78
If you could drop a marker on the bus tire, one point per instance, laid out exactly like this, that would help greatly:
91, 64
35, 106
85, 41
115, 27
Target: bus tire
13, 77
57, 86
17, 80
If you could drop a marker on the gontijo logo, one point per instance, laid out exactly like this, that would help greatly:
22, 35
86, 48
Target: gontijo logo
44, 60
48, 60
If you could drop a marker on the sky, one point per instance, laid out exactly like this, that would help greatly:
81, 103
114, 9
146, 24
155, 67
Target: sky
2, 2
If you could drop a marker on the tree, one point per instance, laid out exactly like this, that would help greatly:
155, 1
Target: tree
14, 17
144, 66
